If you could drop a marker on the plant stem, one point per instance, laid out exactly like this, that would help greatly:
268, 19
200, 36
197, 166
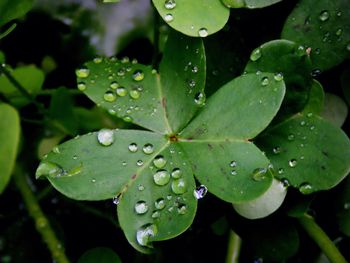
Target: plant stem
321, 239
41, 222
233, 247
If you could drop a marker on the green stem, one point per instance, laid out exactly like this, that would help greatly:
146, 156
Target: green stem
41, 222
233, 247
321, 239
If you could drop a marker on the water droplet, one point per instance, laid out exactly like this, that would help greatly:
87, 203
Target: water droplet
339, 32
278, 76
280, 171
121, 91
161, 177
93, 180
259, 174
233, 172
276, 150
168, 18
256, 54
155, 214
176, 173
200, 192
233, 164
139, 163
105, 137
114, 85
169, 197
291, 137
49, 169
124, 163
138, 75
81, 86
302, 123
265, 81
179, 186
116, 200
324, 16
292, 163
97, 60
300, 51
141, 207
127, 118
82, 72
191, 83
199, 99
121, 72
182, 209
285, 182
144, 234
306, 188
56, 149
133, 147
135, 94
315, 73
109, 96
159, 161
159, 203
169, 4
203, 32
194, 69
141, 187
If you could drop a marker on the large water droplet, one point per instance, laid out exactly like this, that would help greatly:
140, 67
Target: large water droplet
170, 4
324, 15
159, 161
168, 18
114, 85
49, 169
82, 72
256, 54
139, 163
161, 177
176, 173
306, 188
259, 174
160, 203
148, 148
179, 186
138, 75
135, 94
81, 86
144, 234
121, 91
105, 137
109, 96
203, 32
200, 192
133, 147
141, 207
292, 163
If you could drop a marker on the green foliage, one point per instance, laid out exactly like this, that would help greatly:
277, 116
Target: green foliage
99, 254
12, 9
9, 138
249, 3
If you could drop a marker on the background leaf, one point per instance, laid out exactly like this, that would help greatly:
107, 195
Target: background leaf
249, 3
335, 110
182, 77
9, 140
193, 18
99, 254
12, 9
323, 26
308, 151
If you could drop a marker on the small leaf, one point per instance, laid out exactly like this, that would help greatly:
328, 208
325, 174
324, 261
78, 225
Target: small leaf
30, 77
182, 77
322, 26
12, 9
9, 140
307, 151
194, 18
249, 3
99, 254
335, 110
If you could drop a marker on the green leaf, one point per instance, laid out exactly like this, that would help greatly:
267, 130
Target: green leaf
323, 26
193, 18
231, 113
12, 9
315, 102
99, 254
30, 77
61, 111
310, 153
2, 57
249, 3
289, 61
182, 78
9, 140
335, 110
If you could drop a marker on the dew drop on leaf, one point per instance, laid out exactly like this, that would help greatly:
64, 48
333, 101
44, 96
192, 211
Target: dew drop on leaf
276, 150
179, 186
114, 85
200, 192
176, 173
199, 99
121, 91
139, 163
49, 169
292, 163
127, 118
306, 188
203, 32
159, 161
141, 187
141, 207
265, 81
300, 51
82, 72
256, 54
324, 16
259, 174
109, 96
280, 171
233, 164
116, 200
105, 137
121, 72
278, 76
170, 4
161, 177
97, 60
144, 233
155, 214
81, 86
135, 94
133, 147
159, 203
168, 18
233, 172
182, 209
138, 75
148, 148
56, 150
